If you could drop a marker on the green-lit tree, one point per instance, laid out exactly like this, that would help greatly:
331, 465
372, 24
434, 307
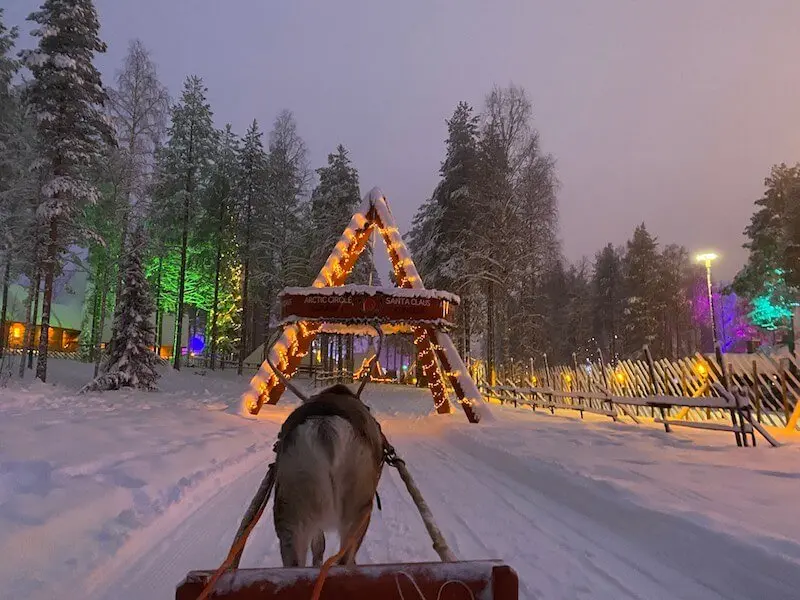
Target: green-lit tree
184, 171
771, 276
219, 223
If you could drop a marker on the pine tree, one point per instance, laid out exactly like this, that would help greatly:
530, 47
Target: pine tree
555, 295
218, 222
440, 237
15, 181
184, 170
676, 275
254, 222
130, 361
102, 218
642, 286
579, 310
287, 181
608, 293
8, 68
67, 97
333, 203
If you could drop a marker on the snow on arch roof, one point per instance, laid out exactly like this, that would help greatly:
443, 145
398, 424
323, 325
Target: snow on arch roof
341, 290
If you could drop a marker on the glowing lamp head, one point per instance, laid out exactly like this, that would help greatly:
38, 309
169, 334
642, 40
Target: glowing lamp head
568, 378
620, 376
701, 370
706, 257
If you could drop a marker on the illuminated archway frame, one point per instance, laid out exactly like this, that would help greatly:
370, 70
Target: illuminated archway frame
431, 343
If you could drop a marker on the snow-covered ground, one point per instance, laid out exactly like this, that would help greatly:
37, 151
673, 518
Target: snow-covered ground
117, 496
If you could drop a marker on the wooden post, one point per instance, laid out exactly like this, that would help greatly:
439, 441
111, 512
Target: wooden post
739, 432
784, 393
546, 370
652, 368
756, 391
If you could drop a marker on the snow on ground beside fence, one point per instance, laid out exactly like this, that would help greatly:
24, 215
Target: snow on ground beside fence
133, 489
750, 493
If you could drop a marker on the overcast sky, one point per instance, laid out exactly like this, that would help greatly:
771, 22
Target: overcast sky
669, 112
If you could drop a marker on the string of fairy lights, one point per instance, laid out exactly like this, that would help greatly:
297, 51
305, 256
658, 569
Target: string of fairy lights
295, 341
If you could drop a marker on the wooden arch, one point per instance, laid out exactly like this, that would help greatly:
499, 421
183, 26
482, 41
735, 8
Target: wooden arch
432, 342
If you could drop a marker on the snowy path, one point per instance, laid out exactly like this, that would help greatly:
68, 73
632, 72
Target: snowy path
567, 537
118, 496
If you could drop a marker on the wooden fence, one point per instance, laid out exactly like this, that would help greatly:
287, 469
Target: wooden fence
771, 381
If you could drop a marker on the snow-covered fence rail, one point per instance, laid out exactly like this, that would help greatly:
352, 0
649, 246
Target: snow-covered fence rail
666, 410
772, 382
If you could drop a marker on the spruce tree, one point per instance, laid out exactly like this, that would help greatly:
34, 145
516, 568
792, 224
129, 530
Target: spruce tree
442, 230
13, 179
642, 287
218, 223
608, 293
253, 211
287, 181
184, 169
333, 203
130, 361
67, 97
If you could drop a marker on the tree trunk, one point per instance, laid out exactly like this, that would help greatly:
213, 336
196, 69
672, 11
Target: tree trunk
30, 328
351, 359
5, 332
32, 334
467, 332
176, 360
102, 323
245, 315
490, 350
121, 257
217, 266
245, 308
187, 200
47, 301
159, 313
160, 332
267, 335
339, 358
95, 317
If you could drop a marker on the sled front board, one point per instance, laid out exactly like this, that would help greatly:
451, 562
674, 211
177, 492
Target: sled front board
485, 580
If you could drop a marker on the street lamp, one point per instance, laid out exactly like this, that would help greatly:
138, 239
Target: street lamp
706, 258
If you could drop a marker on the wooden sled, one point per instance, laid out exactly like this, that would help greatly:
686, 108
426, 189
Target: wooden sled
468, 580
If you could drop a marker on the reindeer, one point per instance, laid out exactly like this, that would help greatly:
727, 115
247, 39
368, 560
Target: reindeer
330, 454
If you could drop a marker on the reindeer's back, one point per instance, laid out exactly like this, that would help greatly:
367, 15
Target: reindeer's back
329, 454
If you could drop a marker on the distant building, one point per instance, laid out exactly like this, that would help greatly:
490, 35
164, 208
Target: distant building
68, 316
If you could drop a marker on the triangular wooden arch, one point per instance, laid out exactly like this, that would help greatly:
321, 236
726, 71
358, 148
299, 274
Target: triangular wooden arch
431, 343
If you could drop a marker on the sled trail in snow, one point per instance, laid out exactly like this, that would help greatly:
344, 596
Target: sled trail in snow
567, 537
